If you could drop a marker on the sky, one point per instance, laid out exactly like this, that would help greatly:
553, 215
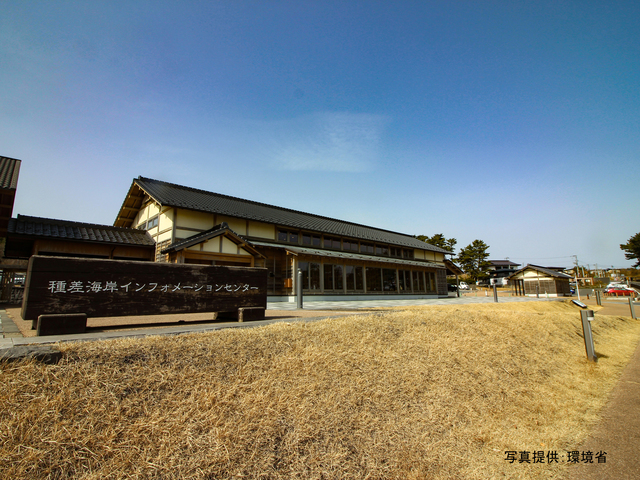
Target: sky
516, 123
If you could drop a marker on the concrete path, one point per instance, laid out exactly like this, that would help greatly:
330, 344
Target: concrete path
618, 433
276, 312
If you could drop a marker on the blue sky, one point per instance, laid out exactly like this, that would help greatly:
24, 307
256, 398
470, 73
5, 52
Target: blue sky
516, 123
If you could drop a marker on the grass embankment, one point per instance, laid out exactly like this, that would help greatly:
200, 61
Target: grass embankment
429, 392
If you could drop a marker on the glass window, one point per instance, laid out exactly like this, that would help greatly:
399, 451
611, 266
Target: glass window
406, 253
333, 243
304, 268
354, 277
315, 241
310, 275
396, 252
374, 279
328, 277
314, 276
404, 280
153, 222
350, 245
418, 282
337, 277
366, 248
293, 237
431, 282
389, 280
306, 239
283, 236
382, 250
359, 278
350, 277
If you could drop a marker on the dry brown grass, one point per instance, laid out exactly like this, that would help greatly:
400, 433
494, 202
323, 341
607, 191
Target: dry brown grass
429, 392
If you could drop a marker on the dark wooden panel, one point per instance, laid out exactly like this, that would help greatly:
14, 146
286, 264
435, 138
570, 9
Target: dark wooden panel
111, 288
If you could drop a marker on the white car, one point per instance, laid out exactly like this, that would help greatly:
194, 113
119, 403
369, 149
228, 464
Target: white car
463, 286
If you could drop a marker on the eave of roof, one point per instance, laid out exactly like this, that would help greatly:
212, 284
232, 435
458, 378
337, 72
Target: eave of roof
9, 172
453, 268
26, 226
348, 256
172, 195
546, 271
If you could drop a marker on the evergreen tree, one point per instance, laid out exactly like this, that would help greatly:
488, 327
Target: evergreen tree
632, 249
439, 240
473, 260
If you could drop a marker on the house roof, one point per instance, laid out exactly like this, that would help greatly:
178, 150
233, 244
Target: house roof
546, 270
172, 195
222, 229
9, 171
85, 232
503, 263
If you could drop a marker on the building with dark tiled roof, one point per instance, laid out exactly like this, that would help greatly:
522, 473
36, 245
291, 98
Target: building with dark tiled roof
500, 270
534, 280
28, 236
337, 258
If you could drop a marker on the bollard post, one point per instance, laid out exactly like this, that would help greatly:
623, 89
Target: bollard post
631, 307
495, 293
299, 289
587, 317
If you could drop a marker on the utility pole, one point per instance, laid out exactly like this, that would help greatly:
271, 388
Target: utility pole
576, 277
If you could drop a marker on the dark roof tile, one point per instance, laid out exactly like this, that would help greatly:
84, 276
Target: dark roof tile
9, 171
171, 195
63, 229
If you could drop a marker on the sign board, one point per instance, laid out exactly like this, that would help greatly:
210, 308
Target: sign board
111, 288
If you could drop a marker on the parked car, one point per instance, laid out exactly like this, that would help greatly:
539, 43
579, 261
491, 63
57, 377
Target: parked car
452, 288
618, 291
463, 286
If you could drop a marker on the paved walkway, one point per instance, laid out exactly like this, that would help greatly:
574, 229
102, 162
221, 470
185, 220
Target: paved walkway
618, 432
276, 312
368, 304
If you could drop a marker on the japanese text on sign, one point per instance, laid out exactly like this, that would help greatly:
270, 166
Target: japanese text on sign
88, 287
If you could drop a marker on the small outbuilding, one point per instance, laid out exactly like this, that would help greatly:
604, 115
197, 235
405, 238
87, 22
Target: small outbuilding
533, 280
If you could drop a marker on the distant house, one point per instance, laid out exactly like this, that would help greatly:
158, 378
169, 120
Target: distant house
536, 280
500, 270
338, 259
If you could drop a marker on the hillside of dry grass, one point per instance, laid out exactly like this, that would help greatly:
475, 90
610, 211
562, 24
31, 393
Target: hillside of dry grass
426, 392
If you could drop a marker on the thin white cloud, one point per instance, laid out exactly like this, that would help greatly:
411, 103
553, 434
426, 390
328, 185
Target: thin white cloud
330, 142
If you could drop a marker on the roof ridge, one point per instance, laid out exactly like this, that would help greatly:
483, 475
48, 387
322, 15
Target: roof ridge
253, 202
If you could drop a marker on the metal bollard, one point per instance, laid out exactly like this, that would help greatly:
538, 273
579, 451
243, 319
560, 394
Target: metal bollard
587, 317
299, 289
631, 307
